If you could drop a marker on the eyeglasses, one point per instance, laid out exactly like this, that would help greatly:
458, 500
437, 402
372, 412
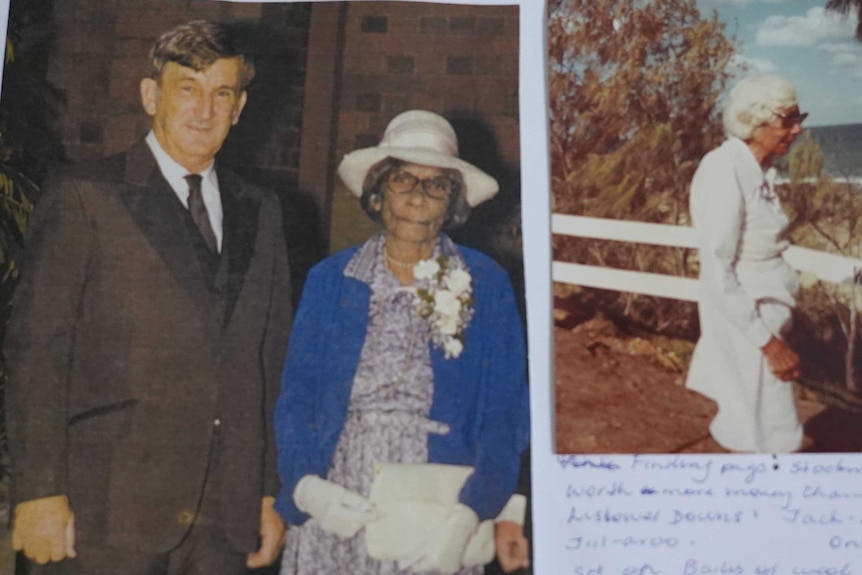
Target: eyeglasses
436, 188
788, 120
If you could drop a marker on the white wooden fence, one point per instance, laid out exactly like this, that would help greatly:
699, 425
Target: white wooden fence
825, 266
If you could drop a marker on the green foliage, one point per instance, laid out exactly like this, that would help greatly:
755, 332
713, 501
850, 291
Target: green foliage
15, 209
29, 145
827, 215
633, 97
826, 212
633, 93
848, 7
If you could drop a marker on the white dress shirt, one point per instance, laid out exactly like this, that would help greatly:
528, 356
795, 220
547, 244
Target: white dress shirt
175, 175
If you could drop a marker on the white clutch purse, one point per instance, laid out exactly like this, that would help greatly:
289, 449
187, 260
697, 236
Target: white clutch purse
416, 498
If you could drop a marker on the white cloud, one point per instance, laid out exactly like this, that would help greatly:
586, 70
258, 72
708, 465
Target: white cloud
720, 2
844, 53
819, 29
743, 65
816, 27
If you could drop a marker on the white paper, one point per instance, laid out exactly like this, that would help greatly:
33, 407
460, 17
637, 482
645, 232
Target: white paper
650, 515
667, 514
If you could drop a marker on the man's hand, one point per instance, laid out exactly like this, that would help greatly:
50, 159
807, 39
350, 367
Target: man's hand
513, 550
44, 529
272, 531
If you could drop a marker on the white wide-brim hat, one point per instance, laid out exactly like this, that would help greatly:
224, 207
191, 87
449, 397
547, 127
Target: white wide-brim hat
418, 137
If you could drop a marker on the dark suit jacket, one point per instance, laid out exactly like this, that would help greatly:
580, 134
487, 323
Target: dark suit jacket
127, 366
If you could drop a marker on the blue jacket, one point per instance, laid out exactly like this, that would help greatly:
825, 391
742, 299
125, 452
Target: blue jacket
482, 394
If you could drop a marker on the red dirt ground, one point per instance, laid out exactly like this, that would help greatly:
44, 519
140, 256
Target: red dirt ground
622, 394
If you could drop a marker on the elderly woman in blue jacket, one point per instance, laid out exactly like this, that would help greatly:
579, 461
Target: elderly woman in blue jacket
407, 349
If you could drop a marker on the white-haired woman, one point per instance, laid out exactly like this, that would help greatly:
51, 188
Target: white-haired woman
746, 289
407, 349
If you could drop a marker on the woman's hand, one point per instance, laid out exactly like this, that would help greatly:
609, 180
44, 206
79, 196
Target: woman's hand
336, 509
513, 549
783, 361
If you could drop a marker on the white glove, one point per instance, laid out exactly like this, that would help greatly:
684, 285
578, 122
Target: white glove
514, 510
480, 547
445, 547
336, 509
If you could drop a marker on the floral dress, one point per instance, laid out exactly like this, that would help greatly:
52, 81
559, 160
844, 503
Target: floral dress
387, 420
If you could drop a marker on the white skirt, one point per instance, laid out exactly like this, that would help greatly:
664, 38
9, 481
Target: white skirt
756, 411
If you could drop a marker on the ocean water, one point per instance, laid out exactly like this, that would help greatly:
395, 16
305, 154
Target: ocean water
842, 149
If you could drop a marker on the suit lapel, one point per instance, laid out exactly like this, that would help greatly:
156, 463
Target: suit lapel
240, 227
158, 213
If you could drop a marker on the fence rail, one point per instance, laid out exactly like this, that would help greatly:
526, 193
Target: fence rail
824, 266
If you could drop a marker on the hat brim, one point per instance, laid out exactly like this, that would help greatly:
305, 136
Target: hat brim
355, 165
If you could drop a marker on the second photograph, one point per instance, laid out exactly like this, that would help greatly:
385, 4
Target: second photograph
705, 209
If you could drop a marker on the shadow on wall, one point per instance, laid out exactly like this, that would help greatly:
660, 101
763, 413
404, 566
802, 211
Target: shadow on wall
268, 134
264, 146
494, 227
306, 242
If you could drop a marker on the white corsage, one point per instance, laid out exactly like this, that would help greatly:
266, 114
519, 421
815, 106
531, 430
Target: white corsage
445, 301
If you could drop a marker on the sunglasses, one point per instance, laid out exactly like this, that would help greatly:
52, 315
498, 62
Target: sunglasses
788, 120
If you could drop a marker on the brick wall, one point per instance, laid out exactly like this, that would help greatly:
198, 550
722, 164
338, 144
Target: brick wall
437, 57
100, 55
458, 61
324, 87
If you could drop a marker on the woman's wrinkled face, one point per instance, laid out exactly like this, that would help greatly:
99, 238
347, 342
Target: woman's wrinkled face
776, 136
415, 199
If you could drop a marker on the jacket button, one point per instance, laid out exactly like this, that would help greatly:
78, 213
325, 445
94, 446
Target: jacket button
185, 517
216, 422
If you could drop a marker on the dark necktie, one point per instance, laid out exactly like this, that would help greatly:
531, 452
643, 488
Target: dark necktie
198, 211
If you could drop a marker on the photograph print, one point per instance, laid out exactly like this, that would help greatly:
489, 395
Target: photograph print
263, 291
705, 182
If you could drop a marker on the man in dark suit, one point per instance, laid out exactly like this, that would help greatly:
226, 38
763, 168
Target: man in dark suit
147, 340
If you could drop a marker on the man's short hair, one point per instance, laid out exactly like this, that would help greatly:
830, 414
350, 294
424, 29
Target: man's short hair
197, 45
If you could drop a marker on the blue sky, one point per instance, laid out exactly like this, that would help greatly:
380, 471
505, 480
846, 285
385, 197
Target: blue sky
802, 42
